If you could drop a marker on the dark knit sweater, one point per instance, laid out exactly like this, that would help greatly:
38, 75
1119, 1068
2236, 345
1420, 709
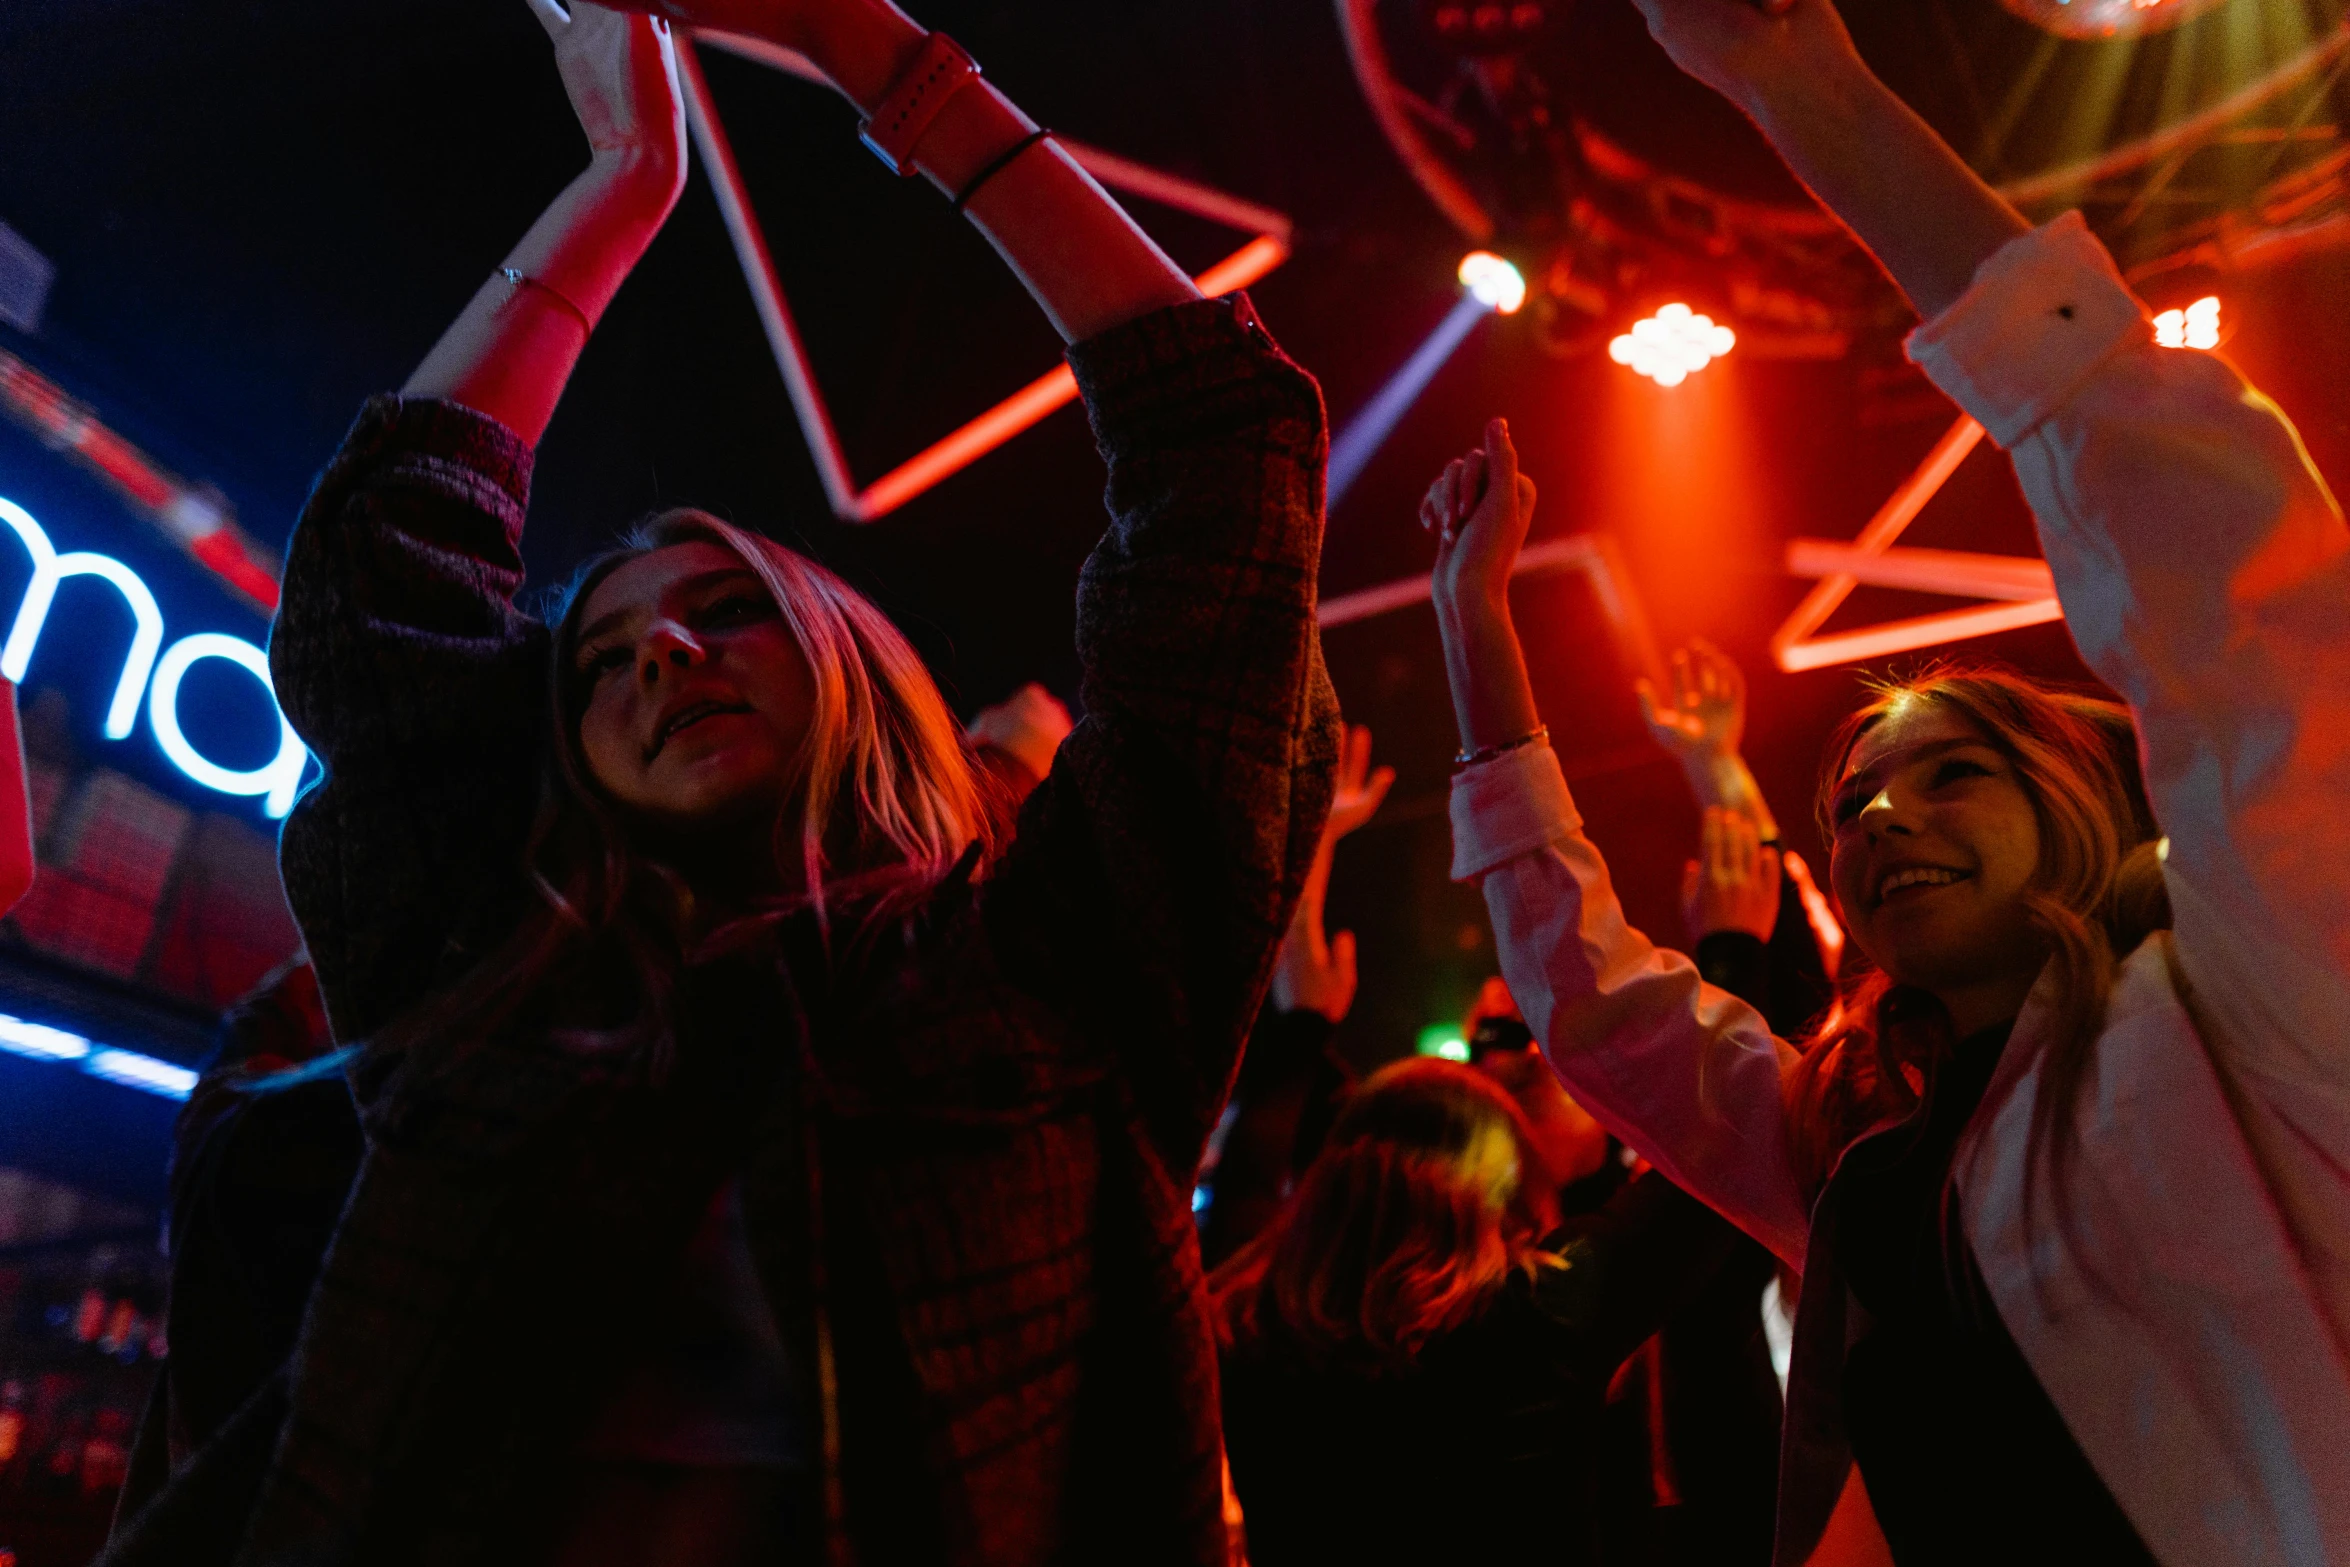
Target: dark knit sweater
965, 1158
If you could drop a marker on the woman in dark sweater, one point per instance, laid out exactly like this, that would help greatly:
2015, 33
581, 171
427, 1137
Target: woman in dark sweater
1419, 1350
762, 1163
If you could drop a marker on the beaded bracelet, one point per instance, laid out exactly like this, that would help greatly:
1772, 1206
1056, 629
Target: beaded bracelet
1539, 735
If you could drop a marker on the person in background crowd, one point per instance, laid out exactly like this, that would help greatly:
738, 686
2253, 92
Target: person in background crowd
1016, 741
2066, 1187
1292, 1077
765, 1163
1783, 961
1418, 1351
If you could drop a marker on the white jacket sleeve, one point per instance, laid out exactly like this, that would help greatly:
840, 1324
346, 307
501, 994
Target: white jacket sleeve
1687, 1074
2205, 576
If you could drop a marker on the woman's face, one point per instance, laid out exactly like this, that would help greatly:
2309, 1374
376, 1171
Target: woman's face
698, 698
1935, 844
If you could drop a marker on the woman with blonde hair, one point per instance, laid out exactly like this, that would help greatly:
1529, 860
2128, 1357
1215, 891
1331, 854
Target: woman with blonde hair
764, 1162
1418, 1351
2067, 1189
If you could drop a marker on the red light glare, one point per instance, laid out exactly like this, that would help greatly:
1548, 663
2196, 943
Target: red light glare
1672, 345
2196, 326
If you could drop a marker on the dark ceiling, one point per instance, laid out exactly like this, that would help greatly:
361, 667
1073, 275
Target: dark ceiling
263, 210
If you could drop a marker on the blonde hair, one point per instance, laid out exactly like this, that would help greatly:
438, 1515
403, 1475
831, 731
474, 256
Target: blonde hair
889, 797
2095, 895
888, 801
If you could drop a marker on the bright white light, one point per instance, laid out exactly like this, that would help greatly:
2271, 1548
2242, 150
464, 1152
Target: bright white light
39, 1041
276, 782
133, 1070
2197, 326
1672, 345
1493, 282
32, 613
279, 779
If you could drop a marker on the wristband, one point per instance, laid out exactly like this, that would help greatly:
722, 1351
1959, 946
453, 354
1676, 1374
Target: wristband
1539, 735
522, 280
996, 165
912, 103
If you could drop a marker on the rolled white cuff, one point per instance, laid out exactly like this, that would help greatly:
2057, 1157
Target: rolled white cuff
2042, 314
1509, 806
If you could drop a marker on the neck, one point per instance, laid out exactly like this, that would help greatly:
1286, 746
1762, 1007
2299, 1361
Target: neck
1986, 1002
730, 870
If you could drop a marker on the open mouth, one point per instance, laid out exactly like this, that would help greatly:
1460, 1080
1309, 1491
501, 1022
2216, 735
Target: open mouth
685, 718
1916, 881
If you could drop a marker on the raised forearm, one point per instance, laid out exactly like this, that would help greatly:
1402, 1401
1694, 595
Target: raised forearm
1928, 218
1492, 697
1085, 262
1722, 778
511, 352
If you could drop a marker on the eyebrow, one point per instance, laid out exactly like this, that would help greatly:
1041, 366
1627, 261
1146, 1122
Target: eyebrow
603, 624
1907, 753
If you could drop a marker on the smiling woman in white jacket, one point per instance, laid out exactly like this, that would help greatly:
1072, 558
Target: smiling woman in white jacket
2123, 1333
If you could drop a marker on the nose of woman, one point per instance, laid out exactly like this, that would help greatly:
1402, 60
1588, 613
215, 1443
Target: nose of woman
668, 644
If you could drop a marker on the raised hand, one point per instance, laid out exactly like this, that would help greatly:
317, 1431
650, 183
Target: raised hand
620, 72
1361, 788
1028, 726
1707, 709
1479, 510
1735, 885
1313, 973
1701, 724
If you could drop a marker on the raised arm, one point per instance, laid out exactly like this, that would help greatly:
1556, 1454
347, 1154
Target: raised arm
510, 353
1700, 723
2202, 564
1082, 258
398, 653
1687, 1074
1157, 866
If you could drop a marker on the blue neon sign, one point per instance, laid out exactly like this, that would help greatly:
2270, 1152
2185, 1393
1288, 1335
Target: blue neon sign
150, 669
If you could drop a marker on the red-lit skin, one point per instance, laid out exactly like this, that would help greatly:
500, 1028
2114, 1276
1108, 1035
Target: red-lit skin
663, 635
1924, 788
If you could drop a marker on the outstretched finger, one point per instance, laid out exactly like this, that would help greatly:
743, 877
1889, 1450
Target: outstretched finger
1645, 692
551, 16
1354, 759
1501, 457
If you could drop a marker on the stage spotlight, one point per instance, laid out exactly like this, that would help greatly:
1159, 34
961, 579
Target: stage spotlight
2197, 326
1493, 282
2106, 18
1672, 345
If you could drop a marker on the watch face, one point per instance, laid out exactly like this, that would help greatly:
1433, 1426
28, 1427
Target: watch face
2107, 18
